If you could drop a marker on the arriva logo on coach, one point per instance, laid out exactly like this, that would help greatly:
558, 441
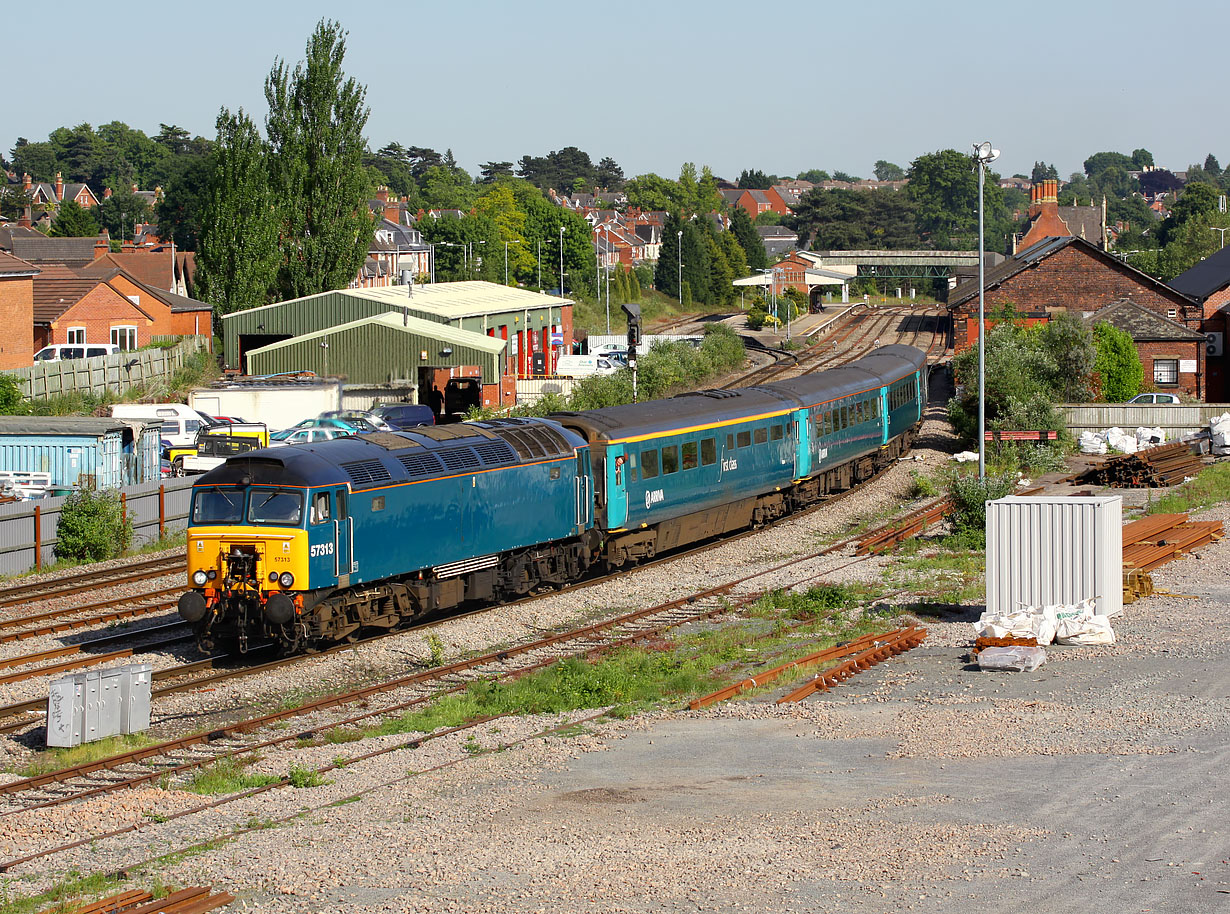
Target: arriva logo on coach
654, 497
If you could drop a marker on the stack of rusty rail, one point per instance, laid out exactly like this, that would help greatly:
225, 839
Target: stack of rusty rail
195, 900
1155, 467
1153, 541
884, 538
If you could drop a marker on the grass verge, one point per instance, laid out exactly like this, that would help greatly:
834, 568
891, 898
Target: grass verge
55, 759
1210, 487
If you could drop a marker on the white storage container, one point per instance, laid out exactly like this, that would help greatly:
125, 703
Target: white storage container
1044, 550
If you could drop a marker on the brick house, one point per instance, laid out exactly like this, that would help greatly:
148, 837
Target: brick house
49, 196
1047, 219
1208, 282
1073, 274
1172, 355
762, 201
71, 252
17, 311
187, 316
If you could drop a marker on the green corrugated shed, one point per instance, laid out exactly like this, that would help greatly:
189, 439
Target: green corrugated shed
380, 349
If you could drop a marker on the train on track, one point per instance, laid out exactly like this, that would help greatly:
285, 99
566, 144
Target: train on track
310, 545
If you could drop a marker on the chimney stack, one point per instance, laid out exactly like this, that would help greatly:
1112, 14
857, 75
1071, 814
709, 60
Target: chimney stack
27, 218
106, 193
102, 244
392, 208
26, 182
382, 194
59, 187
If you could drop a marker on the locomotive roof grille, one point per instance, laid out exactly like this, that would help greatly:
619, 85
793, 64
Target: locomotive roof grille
367, 472
459, 459
495, 453
424, 464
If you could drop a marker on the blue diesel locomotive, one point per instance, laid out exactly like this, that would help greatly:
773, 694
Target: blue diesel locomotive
307, 545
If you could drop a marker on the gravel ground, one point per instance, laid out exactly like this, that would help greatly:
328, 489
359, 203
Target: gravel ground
922, 784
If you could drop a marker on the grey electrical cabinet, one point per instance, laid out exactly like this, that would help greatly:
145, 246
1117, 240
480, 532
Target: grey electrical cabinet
99, 703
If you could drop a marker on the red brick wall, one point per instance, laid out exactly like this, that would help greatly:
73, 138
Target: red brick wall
1074, 279
98, 311
1189, 382
17, 318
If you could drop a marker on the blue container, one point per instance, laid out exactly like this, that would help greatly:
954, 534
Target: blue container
104, 453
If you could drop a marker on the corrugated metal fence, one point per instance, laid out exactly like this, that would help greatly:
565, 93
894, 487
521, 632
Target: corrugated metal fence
116, 373
1174, 419
151, 505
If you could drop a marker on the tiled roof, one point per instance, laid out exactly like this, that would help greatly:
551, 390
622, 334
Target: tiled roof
15, 266
1142, 324
154, 268
52, 297
55, 250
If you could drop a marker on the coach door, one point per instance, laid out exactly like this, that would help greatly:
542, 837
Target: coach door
616, 487
802, 443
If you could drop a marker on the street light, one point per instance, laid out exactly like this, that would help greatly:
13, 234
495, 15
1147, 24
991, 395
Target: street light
471, 260
562, 229
984, 155
1223, 235
506, 244
679, 235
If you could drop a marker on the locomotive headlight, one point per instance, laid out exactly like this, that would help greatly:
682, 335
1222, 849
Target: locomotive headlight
287, 579
199, 578
212, 574
273, 577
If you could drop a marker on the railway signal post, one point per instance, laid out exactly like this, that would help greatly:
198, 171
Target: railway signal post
633, 311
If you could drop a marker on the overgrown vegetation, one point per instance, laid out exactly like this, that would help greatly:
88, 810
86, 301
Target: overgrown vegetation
55, 759
970, 495
228, 775
92, 527
946, 571
1210, 487
1119, 370
64, 895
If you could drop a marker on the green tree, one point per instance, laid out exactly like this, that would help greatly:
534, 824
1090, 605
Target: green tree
755, 179
180, 211
237, 258
1069, 343
609, 175
887, 171
1043, 172
666, 274
500, 205
316, 147
749, 239
650, 192
38, 160
1100, 161
120, 213
92, 527
814, 175
944, 187
846, 177
73, 221
1117, 363
1141, 159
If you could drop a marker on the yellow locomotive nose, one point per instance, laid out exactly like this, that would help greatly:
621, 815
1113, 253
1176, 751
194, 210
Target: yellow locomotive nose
246, 558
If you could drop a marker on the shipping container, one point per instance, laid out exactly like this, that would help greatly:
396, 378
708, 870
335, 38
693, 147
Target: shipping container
278, 404
97, 453
1047, 550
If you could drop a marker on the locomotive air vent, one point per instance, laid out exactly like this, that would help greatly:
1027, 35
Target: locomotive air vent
495, 453
367, 472
459, 459
420, 465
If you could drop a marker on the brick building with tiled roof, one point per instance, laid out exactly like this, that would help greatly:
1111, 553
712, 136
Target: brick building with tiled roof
16, 311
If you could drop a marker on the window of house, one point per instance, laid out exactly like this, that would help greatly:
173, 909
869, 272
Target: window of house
1172, 313
776, 433
690, 456
124, 337
1166, 371
708, 451
649, 464
761, 435
745, 439
76, 335
670, 460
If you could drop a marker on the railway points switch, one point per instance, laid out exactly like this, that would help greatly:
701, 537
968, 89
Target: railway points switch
98, 703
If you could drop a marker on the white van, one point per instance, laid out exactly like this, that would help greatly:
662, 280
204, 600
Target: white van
61, 351
584, 366
180, 423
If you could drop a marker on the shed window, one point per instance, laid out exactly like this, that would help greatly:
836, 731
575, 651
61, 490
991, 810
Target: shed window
761, 435
649, 464
689, 455
670, 460
745, 439
708, 451
1166, 371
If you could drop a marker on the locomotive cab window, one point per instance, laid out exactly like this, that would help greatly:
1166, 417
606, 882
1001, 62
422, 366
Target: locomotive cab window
670, 460
708, 451
649, 464
275, 506
217, 506
320, 508
689, 456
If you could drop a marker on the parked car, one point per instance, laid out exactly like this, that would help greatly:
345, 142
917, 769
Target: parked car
1155, 398
584, 366
405, 415
360, 421
306, 434
62, 351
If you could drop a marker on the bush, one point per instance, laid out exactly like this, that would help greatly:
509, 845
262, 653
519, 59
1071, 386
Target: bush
92, 527
969, 512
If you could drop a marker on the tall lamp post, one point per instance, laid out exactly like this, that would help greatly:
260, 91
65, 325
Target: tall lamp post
679, 236
984, 155
562, 229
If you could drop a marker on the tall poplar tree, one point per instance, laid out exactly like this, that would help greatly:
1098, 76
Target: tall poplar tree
237, 254
749, 239
316, 147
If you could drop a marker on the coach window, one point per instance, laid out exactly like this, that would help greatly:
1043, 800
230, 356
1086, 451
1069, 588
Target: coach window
689, 455
631, 466
776, 433
761, 435
320, 508
649, 464
708, 451
670, 460
745, 439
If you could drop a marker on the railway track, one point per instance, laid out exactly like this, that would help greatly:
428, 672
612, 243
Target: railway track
172, 761
79, 582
